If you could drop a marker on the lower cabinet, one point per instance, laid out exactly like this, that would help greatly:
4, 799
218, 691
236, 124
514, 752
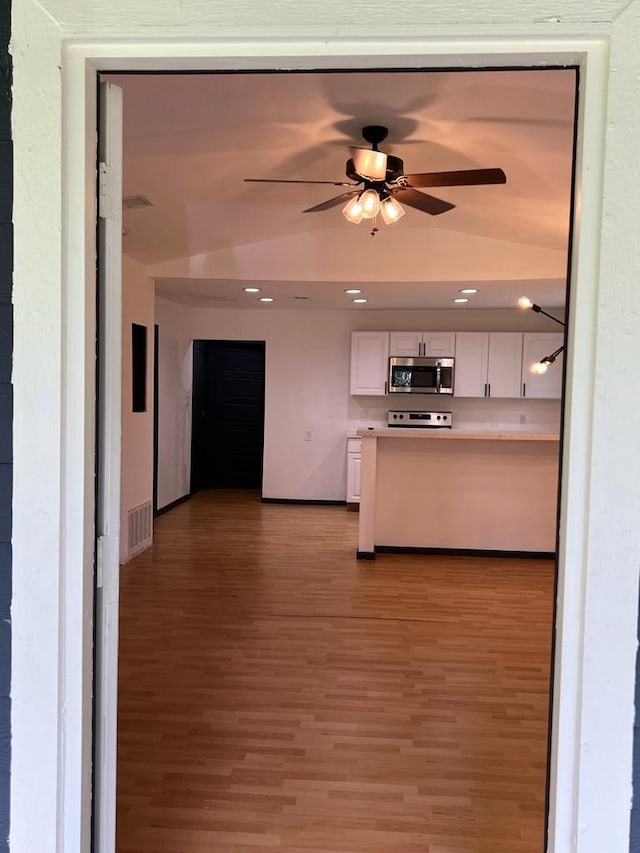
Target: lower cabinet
354, 462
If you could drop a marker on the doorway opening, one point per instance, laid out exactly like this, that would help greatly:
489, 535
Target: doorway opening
206, 399
227, 434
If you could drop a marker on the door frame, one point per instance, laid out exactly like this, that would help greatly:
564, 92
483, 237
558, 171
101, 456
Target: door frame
581, 810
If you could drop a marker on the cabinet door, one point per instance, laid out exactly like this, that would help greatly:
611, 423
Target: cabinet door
433, 344
369, 363
472, 360
547, 385
354, 466
505, 364
439, 344
406, 344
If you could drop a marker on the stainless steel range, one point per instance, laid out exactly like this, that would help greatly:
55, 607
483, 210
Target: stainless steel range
421, 420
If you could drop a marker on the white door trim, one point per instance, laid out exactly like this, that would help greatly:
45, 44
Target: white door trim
576, 823
107, 581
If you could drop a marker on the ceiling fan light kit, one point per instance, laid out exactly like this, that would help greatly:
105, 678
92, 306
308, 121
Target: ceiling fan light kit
370, 201
391, 210
380, 184
353, 210
370, 164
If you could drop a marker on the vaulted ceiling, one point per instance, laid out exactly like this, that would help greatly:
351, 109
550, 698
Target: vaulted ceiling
190, 140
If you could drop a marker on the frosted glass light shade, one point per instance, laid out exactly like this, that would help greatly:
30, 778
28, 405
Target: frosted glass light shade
353, 210
525, 302
391, 210
370, 201
370, 164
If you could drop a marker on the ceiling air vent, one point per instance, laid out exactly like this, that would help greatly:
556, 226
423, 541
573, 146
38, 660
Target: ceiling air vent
132, 202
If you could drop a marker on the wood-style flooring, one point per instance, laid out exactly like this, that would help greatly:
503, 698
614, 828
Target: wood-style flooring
278, 695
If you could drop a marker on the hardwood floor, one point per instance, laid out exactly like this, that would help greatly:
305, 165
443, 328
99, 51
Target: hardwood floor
278, 695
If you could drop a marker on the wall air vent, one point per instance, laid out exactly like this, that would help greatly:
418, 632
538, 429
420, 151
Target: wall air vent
140, 530
133, 202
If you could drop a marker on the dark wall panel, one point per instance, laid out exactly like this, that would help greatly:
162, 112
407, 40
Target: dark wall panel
6, 261
6, 415
634, 829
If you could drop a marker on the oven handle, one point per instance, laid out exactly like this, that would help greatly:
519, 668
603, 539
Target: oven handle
438, 379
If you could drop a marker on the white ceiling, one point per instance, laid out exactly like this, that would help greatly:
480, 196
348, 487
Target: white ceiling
190, 140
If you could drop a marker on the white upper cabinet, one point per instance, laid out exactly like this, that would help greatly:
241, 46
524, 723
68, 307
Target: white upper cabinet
488, 364
369, 363
548, 385
505, 364
434, 344
405, 344
471, 365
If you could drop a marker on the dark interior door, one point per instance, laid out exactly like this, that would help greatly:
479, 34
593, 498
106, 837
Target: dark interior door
228, 414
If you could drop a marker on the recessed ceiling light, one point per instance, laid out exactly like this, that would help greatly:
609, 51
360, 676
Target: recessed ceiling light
252, 290
460, 299
359, 301
267, 299
468, 290
353, 290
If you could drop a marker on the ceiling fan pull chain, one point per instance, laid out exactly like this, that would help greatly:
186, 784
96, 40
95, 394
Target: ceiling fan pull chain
374, 229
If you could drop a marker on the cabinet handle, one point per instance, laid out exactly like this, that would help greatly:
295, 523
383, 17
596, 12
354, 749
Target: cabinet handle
385, 386
489, 389
485, 389
524, 389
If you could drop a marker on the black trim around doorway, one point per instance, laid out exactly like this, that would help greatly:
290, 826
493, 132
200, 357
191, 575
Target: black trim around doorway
6, 417
173, 505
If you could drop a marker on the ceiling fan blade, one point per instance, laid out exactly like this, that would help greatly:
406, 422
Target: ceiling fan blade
332, 202
287, 181
422, 201
458, 178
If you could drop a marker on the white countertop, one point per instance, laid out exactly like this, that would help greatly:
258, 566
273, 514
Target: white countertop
456, 434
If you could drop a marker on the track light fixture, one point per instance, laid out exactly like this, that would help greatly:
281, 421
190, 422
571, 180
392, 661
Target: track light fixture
540, 367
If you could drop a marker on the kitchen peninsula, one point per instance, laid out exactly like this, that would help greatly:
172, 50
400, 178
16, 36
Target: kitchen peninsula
456, 490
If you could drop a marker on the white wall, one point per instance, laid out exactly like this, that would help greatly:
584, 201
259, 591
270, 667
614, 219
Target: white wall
307, 389
136, 486
56, 46
175, 370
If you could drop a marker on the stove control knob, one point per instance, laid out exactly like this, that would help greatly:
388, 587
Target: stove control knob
395, 417
438, 418
444, 417
401, 417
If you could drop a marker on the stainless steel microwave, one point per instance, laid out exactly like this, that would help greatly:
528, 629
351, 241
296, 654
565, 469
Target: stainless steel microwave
420, 375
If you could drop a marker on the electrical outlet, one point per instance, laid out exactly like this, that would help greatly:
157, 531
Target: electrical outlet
307, 435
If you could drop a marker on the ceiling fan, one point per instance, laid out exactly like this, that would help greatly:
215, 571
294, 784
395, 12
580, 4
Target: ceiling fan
379, 183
